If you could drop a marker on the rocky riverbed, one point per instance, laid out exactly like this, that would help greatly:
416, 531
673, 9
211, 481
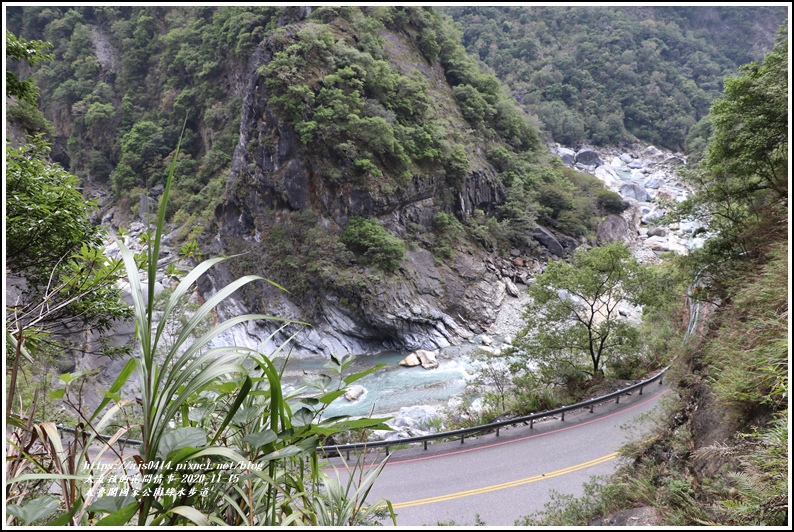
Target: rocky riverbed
647, 178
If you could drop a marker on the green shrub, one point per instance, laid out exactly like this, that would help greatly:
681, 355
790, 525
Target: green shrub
448, 230
370, 241
610, 203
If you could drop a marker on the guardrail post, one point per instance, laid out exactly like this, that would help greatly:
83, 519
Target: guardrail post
591, 409
425, 443
617, 399
563, 416
531, 423
640, 390
348, 455
660, 380
387, 450
462, 437
497, 432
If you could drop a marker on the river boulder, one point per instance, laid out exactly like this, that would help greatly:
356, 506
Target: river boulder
568, 156
544, 236
614, 229
635, 191
427, 359
355, 392
410, 361
588, 158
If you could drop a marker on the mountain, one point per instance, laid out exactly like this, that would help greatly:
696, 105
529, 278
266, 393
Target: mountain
606, 74
356, 156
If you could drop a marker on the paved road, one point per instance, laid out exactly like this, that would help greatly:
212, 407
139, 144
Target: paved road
503, 478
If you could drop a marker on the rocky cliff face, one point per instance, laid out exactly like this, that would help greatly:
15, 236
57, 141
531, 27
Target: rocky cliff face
427, 303
432, 300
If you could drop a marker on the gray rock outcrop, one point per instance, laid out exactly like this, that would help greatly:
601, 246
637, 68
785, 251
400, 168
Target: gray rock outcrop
614, 229
588, 157
634, 191
424, 305
568, 156
547, 239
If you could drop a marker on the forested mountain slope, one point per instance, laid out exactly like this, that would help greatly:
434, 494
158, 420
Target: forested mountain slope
357, 156
720, 452
601, 74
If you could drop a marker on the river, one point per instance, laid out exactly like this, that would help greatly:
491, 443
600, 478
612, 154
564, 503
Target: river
394, 387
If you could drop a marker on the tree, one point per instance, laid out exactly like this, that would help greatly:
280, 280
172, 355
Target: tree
60, 281
742, 181
18, 49
750, 145
573, 325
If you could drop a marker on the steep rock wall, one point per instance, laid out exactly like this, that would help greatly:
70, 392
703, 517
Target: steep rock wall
425, 304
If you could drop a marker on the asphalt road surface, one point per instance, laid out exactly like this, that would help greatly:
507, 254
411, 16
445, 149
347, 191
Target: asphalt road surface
495, 480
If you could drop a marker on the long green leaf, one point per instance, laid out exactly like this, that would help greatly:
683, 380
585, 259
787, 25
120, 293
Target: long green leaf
207, 337
168, 409
113, 439
238, 400
45, 476
12, 341
171, 377
208, 306
361, 374
276, 397
120, 381
194, 515
329, 397
181, 375
109, 415
236, 507
51, 430
181, 289
154, 247
136, 291
119, 517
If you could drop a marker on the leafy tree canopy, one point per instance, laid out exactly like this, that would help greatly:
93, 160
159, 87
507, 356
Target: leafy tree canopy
573, 323
742, 182
66, 284
603, 74
18, 49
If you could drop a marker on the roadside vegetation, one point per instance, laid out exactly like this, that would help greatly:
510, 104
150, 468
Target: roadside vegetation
578, 340
721, 454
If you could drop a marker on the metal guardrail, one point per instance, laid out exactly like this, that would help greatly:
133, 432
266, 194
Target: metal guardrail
694, 318
104, 438
490, 427
462, 433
